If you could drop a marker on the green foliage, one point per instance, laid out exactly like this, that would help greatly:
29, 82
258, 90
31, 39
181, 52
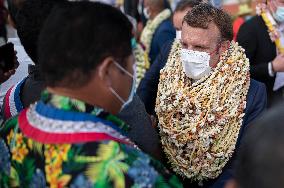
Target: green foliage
110, 168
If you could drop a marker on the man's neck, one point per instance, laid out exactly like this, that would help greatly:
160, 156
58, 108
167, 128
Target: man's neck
154, 14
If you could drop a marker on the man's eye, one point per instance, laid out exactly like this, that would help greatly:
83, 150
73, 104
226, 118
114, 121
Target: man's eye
199, 47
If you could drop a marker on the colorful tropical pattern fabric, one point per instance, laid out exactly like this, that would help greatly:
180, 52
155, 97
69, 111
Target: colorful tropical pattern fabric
97, 155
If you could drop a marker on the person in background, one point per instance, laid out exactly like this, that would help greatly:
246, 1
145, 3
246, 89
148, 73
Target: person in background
244, 14
148, 87
182, 8
206, 99
159, 28
72, 137
29, 18
260, 161
262, 37
24, 59
5, 73
3, 18
131, 8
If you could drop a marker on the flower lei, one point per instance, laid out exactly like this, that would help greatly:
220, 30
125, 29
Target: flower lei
142, 63
199, 123
274, 33
151, 27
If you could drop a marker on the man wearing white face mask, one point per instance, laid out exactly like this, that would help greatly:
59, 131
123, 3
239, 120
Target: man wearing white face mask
159, 28
263, 39
148, 87
206, 99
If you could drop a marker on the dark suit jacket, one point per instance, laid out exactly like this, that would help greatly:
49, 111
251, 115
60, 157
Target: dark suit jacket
33, 86
260, 50
163, 34
142, 131
256, 104
131, 8
148, 86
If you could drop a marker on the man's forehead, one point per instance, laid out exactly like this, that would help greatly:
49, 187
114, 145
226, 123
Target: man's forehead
204, 36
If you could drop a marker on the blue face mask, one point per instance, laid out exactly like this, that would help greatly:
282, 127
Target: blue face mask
133, 89
279, 14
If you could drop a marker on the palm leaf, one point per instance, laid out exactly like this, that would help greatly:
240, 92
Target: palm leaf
161, 183
98, 174
108, 151
86, 159
110, 168
75, 161
14, 178
11, 123
174, 182
117, 176
27, 171
79, 105
23, 173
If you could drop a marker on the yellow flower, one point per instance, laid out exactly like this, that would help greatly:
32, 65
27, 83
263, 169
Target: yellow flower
63, 151
60, 182
18, 154
49, 153
54, 157
52, 172
19, 139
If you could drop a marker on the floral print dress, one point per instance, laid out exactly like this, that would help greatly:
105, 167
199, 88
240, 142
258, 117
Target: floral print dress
62, 142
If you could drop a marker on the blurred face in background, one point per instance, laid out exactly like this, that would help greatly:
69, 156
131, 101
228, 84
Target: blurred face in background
147, 9
277, 9
178, 18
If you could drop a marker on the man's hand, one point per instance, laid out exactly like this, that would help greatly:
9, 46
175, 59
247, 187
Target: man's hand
4, 76
278, 63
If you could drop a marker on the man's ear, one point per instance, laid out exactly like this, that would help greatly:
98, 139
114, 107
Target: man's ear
224, 46
104, 70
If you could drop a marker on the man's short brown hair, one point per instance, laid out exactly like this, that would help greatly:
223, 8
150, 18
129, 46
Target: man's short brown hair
202, 15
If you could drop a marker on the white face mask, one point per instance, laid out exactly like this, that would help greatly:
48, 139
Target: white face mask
133, 89
178, 34
195, 64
